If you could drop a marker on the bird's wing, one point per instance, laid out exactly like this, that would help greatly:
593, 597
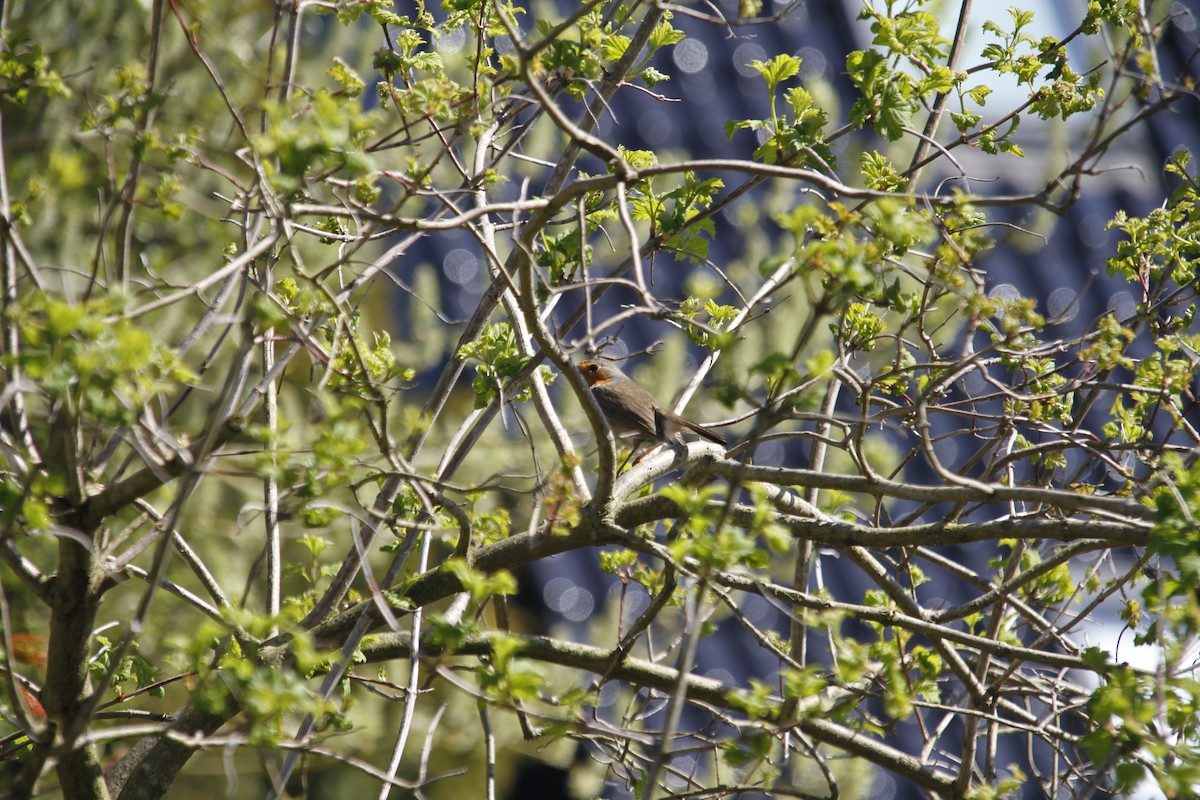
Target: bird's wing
630, 407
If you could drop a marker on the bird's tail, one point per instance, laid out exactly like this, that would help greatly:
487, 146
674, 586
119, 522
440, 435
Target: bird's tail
707, 433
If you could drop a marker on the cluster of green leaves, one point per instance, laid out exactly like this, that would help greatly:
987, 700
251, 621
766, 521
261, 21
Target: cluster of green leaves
25, 69
1148, 724
350, 11
858, 329
30, 504
854, 250
713, 331
127, 119
797, 140
628, 566
595, 41
562, 257
132, 669
224, 676
578, 61
909, 671
1040, 383
318, 134
1162, 381
314, 469
826, 245
1051, 587
358, 366
506, 679
503, 676
500, 360
480, 585
700, 532
1147, 730
1158, 255
674, 214
311, 571
1164, 244
891, 95
1019, 54
1106, 349
417, 85
90, 362
1038, 380
409, 509
363, 365
907, 38
1172, 595
878, 172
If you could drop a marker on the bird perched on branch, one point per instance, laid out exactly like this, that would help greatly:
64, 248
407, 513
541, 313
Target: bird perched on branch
631, 409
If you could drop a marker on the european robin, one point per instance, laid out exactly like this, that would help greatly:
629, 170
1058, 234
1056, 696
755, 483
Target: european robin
631, 409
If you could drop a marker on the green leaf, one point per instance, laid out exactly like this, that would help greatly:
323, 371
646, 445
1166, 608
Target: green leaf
887, 101
481, 585
979, 94
614, 47
653, 77
1095, 658
880, 173
939, 81
965, 120
352, 84
777, 70
665, 34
